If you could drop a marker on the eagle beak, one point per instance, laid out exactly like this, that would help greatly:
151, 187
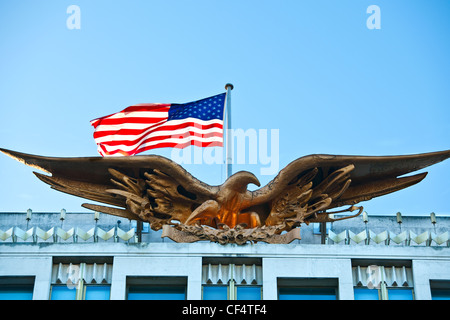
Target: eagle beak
253, 179
240, 180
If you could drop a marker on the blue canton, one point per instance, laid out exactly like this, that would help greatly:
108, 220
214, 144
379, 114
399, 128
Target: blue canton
205, 109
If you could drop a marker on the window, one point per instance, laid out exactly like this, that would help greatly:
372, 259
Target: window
400, 294
234, 279
63, 292
81, 281
440, 289
440, 294
231, 292
143, 227
80, 292
306, 294
383, 294
366, 294
382, 281
156, 293
307, 288
317, 227
16, 288
156, 288
215, 292
97, 292
248, 292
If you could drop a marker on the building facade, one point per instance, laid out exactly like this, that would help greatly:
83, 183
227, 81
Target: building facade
91, 256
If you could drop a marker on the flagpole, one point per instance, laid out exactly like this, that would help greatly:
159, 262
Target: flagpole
228, 87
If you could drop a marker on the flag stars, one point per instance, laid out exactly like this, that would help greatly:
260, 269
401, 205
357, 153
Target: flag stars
206, 109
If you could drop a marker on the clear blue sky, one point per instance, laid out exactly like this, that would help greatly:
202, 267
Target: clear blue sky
311, 69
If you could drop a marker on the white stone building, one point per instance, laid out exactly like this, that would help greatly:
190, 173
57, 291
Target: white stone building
45, 256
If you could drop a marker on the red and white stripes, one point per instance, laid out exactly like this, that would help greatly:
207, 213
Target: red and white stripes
146, 126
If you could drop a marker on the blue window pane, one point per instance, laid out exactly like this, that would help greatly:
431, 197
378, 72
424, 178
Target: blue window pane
440, 294
248, 293
366, 294
97, 292
16, 292
400, 294
63, 293
307, 294
215, 293
156, 293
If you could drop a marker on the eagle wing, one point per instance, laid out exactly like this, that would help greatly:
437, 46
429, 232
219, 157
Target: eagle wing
146, 188
308, 186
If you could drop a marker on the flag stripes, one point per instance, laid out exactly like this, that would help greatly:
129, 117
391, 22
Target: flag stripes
148, 126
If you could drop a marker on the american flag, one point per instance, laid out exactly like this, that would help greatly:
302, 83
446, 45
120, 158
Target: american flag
148, 126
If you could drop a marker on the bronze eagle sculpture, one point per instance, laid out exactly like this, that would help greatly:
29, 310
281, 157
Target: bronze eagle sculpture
156, 190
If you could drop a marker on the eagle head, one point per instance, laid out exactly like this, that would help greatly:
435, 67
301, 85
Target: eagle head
240, 180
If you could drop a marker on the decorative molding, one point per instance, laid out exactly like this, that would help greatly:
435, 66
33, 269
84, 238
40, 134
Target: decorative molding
371, 276
250, 274
407, 238
57, 234
238, 235
235, 235
90, 273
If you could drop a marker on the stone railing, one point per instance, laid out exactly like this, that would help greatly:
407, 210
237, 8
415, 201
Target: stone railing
57, 234
407, 238
116, 234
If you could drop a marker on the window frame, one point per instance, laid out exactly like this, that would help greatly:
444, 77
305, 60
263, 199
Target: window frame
215, 286
382, 287
19, 282
80, 289
249, 286
233, 277
232, 290
331, 283
439, 286
53, 286
90, 285
156, 282
81, 264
